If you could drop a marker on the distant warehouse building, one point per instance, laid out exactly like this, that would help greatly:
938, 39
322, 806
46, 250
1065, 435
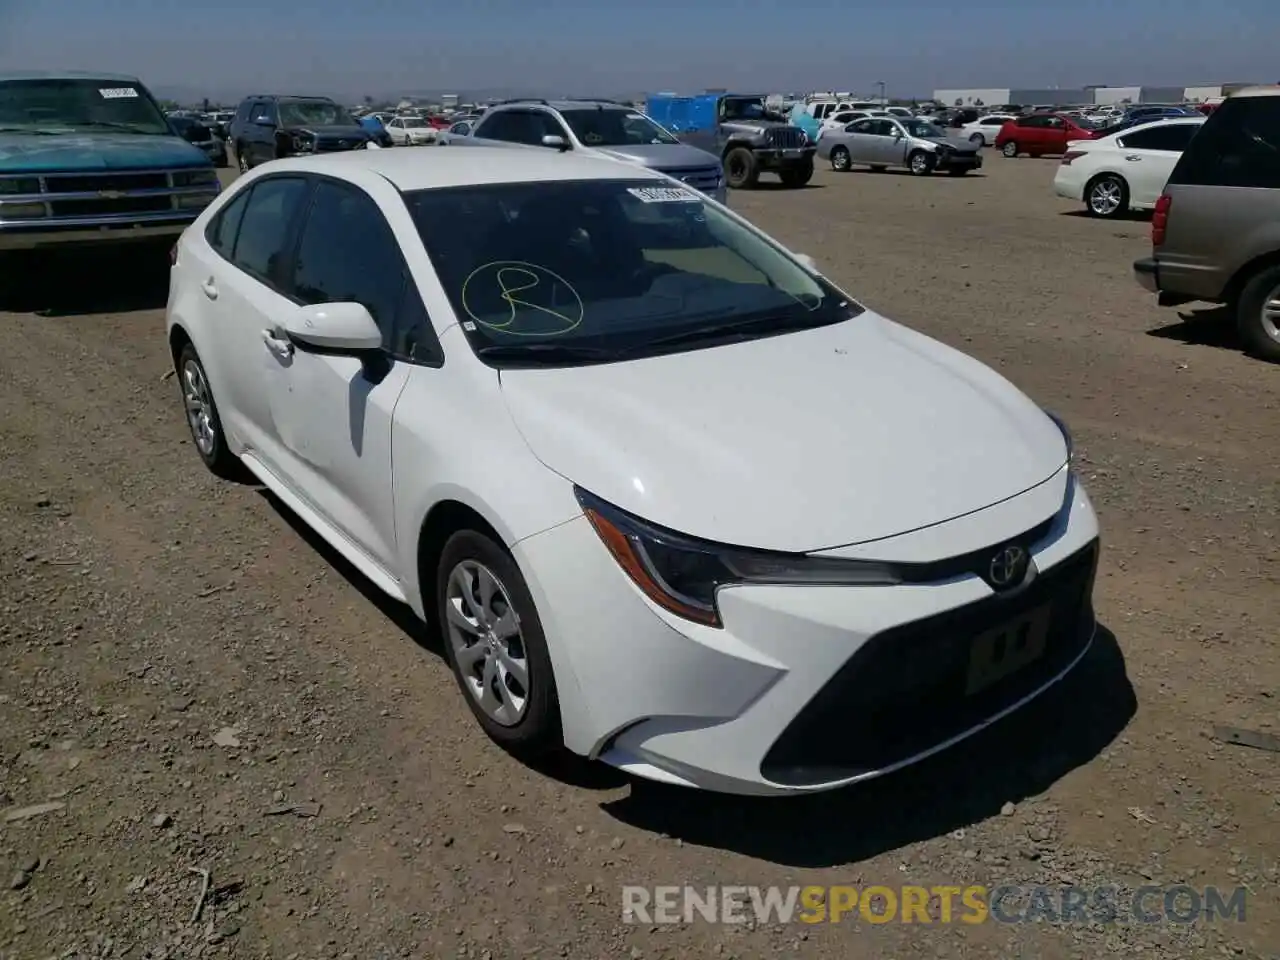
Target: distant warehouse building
1101, 96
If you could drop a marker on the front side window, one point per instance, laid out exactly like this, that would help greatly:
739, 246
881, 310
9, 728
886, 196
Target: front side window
314, 113
266, 228
348, 254
614, 128
65, 106
922, 128
585, 271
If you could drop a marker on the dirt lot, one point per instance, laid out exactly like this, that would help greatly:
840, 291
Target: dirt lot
195, 683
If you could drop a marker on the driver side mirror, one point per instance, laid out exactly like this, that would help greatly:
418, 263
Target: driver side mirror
347, 329
556, 143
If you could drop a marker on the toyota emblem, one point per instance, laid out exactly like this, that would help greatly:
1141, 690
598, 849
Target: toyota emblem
1008, 567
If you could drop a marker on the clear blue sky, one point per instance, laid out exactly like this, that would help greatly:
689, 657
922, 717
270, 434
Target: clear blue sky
355, 47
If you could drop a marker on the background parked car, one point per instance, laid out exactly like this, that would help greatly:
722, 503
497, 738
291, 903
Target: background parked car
1213, 233
1038, 134
838, 121
1124, 171
986, 128
201, 135
881, 142
411, 131
268, 127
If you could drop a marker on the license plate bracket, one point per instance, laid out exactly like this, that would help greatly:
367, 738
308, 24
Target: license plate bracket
1006, 649
793, 154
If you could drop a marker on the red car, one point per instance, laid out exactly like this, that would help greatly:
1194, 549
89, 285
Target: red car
1040, 133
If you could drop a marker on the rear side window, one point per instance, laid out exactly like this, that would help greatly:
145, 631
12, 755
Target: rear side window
266, 228
1175, 137
225, 227
1238, 146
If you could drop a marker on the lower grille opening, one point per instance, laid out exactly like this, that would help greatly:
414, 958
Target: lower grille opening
905, 690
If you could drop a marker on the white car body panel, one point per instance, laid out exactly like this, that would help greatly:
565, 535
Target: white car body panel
988, 127
864, 440
1144, 171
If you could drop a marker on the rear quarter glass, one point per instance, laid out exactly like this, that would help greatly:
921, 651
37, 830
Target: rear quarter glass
1238, 146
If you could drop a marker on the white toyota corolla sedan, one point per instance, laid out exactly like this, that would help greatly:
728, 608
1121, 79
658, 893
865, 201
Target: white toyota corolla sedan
674, 500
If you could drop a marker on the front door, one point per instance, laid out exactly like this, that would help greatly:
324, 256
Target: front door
331, 415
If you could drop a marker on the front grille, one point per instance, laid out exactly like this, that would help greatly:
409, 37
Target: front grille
706, 179
784, 138
108, 206
330, 146
93, 182
904, 690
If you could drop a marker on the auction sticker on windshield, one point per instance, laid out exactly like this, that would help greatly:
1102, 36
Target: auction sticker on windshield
118, 93
663, 195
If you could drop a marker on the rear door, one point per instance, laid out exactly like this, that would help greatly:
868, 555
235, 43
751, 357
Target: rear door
1149, 156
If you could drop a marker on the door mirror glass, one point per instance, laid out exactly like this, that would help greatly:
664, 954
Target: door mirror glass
556, 143
346, 328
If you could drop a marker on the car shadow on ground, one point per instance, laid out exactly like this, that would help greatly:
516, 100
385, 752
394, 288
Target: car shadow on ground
565, 767
904, 172
771, 186
1205, 327
1019, 757
76, 283
1129, 216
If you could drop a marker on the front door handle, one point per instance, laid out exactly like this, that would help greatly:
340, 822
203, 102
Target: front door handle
210, 289
1133, 158
277, 345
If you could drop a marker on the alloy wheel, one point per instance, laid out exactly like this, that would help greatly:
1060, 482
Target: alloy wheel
1105, 197
199, 404
484, 633
840, 159
1271, 315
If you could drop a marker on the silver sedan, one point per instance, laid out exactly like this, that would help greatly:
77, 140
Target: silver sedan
881, 142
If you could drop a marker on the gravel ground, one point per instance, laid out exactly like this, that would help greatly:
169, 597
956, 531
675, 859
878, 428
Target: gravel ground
189, 681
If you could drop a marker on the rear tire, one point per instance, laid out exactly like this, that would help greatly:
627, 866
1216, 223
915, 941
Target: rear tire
1106, 196
1010, 150
840, 160
1258, 315
520, 715
740, 169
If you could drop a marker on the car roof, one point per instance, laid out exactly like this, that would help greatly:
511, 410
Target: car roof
1268, 91
65, 75
464, 166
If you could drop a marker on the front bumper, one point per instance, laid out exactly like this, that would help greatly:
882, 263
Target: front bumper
959, 161
805, 688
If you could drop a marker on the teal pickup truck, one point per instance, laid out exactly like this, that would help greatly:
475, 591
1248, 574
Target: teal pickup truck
90, 159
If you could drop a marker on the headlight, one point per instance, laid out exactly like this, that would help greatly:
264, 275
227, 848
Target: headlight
195, 178
682, 574
303, 142
1066, 433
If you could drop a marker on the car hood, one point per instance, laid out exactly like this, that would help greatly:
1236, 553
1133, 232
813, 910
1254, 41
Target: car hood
662, 156
339, 132
35, 153
800, 442
958, 144
752, 126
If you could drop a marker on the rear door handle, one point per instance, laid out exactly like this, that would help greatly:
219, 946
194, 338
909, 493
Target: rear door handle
1132, 158
210, 289
277, 345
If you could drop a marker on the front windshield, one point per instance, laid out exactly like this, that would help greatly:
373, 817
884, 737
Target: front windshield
923, 128
66, 105
588, 271
597, 127
317, 113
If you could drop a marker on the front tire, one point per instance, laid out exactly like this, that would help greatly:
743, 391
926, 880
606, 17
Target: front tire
740, 168
495, 645
1106, 197
242, 159
840, 160
797, 176
203, 419
1010, 150
1258, 315
920, 164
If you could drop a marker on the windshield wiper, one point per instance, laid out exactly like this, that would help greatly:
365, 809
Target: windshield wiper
548, 353
36, 131
109, 124
754, 325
